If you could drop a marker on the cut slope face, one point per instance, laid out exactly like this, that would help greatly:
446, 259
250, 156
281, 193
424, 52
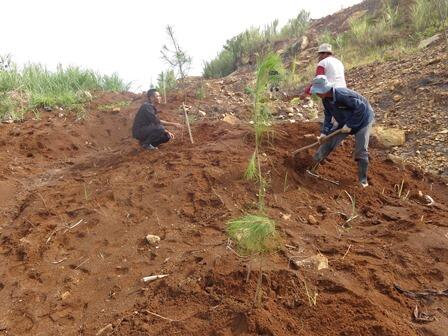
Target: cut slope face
412, 93
74, 222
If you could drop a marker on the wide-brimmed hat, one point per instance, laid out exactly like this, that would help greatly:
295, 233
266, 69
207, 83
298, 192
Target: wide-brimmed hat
320, 84
325, 48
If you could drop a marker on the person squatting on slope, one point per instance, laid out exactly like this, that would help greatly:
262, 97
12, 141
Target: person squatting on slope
329, 66
353, 114
147, 127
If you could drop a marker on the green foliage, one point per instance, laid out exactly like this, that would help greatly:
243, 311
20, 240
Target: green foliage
223, 65
427, 14
269, 72
338, 41
10, 108
386, 37
270, 31
391, 14
251, 172
360, 28
166, 79
34, 87
253, 41
176, 57
296, 27
254, 234
200, 92
249, 91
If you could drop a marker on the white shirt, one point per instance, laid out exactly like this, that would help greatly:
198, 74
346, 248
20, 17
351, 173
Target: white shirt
334, 70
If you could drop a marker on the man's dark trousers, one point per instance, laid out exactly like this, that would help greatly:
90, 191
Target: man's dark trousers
150, 135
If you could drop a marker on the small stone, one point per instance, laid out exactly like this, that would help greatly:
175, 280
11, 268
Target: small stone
230, 119
312, 220
427, 42
389, 137
202, 113
152, 239
397, 98
395, 159
107, 328
65, 295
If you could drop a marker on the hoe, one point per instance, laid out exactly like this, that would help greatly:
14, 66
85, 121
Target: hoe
302, 149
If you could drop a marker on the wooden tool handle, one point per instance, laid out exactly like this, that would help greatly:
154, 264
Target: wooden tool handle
317, 142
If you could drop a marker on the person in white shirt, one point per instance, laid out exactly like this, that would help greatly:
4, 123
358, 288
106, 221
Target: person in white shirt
329, 66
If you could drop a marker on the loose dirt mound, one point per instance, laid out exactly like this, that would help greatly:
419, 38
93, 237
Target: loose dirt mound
78, 199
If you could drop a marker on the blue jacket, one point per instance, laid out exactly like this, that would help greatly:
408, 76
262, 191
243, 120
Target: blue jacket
348, 108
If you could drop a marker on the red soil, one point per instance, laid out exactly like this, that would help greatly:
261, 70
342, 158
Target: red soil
58, 281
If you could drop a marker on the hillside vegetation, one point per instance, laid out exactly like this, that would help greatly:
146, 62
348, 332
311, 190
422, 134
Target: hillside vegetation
373, 30
34, 87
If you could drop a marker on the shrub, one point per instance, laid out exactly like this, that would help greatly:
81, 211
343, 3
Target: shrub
296, 27
223, 65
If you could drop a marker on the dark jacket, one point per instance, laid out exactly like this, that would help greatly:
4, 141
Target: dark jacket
348, 108
146, 119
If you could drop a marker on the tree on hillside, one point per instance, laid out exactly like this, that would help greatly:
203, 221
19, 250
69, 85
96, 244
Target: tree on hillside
178, 59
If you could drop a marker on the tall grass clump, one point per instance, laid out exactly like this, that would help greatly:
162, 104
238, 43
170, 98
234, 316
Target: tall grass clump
255, 234
34, 86
360, 29
429, 15
390, 14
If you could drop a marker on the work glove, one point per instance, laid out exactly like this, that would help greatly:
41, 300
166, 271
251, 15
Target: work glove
321, 138
346, 129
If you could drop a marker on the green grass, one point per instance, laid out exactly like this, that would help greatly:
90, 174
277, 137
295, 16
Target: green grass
429, 16
35, 87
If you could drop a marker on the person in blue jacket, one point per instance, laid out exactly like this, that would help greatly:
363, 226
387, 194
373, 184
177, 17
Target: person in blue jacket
354, 116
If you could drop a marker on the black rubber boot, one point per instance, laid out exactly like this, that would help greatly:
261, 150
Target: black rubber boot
362, 172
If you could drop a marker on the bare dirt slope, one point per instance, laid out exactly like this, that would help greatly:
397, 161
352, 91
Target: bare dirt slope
79, 197
412, 93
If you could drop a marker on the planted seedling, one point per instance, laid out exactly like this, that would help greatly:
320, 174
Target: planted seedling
255, 236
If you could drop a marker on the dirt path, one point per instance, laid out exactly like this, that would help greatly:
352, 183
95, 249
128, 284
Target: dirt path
78, 199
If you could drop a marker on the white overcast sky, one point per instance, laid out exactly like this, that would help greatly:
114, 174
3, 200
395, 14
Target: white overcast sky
126, 36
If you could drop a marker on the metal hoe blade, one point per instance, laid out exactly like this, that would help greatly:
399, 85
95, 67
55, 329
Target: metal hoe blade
309, 172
